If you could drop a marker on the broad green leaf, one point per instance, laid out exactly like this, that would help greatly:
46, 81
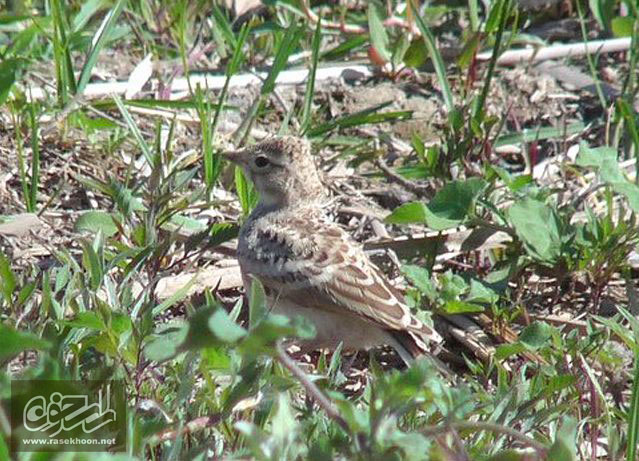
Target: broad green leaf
420, 277
506, 350
7, 77
224, 328
285, 425
461, 307
537, 225
564, 447
408, 213
7, 278
450, 207
416, 54
166, 344
604, 160
454, 201
257, 303
272, 328
622, 26
536, 335
480, 293
13, 342
379, 37
87, 319
94, 221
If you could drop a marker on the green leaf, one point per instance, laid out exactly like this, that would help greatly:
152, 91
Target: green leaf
436, 57
7, 278
245, 191
536, 335
13, 342
166, 343
98, 41
133, 127
506, 350
633, 412
480, 293
273, 328
416, 54
224, 329
461, 307
94, 221
450, 207
420, 277
363, 117
408, 213
622, 26
537, 225
85, 320
93, 264
452, 204
284, 424
7, 77
379, 37
564, 447
604, 160
257, 303
307, 108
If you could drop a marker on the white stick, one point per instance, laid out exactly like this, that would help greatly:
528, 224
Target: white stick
216, 82
512, 57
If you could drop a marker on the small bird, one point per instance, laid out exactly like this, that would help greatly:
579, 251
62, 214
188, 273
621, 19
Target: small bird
311, 267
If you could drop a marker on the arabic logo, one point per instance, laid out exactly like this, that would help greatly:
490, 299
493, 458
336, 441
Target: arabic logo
66, 412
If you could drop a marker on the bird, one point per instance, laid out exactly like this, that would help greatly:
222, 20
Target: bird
311, 267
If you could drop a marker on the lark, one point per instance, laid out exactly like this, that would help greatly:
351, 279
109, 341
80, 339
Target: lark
309, 266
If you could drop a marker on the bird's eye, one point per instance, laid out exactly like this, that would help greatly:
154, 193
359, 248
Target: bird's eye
261, 161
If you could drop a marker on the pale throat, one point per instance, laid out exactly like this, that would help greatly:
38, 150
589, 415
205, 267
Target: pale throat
293, 195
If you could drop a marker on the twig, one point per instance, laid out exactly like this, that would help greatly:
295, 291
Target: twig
310, 387
512, 57
539, 447
197, 424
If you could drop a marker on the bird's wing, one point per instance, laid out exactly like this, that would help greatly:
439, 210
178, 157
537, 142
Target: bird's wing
317, 265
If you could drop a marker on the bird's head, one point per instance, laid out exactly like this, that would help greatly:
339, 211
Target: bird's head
282, 170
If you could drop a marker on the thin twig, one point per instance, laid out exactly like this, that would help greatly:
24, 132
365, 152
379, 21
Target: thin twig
527, 55
197, 424
310, 387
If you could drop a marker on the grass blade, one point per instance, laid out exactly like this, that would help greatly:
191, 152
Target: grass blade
99, 39
35, 160
310, 85
633, 414
436, 57
146, 150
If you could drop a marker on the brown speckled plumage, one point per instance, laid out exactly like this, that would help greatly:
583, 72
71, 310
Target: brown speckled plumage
309, 266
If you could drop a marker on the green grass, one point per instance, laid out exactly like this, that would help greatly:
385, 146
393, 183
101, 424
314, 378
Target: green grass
130, 199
